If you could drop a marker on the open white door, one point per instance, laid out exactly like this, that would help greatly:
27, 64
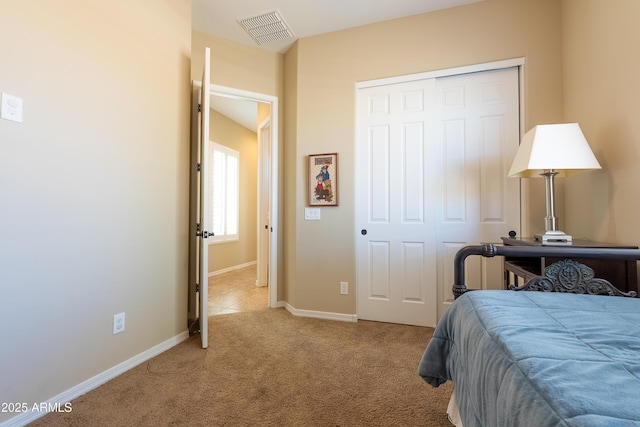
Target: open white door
203, 220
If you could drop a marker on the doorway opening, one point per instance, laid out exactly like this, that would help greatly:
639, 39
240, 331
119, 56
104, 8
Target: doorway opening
235, 291
263, 234
259, 113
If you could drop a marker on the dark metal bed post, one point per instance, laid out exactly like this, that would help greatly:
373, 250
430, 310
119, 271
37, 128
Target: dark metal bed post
459, 287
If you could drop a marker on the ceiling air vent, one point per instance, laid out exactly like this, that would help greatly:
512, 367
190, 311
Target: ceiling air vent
267, 28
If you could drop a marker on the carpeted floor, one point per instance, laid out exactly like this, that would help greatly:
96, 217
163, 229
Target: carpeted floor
269, 368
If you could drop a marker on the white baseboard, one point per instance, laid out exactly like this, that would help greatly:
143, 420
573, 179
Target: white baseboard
280, 304
94, 382
326, 315
235, 267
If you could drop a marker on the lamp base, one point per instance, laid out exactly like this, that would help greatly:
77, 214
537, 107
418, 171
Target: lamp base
554, 237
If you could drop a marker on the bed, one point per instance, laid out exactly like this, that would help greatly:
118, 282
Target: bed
569, 356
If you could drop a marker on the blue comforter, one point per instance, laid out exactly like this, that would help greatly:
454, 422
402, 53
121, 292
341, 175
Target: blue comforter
539, 359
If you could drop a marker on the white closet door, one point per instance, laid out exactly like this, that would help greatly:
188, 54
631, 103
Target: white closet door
432, 161
395, 199
478, 125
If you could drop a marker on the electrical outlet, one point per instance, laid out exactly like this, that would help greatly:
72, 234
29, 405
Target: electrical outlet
344, 288
118, 323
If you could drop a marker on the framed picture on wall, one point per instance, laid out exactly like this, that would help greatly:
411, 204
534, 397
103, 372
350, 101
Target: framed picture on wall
322, 178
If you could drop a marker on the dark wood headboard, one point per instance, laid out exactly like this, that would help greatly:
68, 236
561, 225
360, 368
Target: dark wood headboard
555, 278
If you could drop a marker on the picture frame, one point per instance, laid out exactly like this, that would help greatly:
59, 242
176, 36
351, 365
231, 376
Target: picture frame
322, 179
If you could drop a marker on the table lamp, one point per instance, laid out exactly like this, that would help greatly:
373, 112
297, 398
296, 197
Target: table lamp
550, 151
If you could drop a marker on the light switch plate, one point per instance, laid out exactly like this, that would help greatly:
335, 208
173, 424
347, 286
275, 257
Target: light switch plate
312, 214
11, 108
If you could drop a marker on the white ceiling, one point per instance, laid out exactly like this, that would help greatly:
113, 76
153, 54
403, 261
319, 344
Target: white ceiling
305, 18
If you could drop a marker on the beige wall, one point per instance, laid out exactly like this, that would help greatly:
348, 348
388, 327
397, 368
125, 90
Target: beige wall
601, 91
289, 167
321, 102
93, 187
238, 66
230, 134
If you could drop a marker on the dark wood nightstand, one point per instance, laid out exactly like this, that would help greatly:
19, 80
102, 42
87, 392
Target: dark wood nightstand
622, 273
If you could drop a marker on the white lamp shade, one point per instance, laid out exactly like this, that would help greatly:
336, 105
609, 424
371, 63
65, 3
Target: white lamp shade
561, 147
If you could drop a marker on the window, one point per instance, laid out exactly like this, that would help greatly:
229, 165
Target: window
224, 177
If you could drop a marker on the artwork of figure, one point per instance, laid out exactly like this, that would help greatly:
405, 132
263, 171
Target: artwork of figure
322, 179
323, 183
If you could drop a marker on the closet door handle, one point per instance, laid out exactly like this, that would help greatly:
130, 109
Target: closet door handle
363, 232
